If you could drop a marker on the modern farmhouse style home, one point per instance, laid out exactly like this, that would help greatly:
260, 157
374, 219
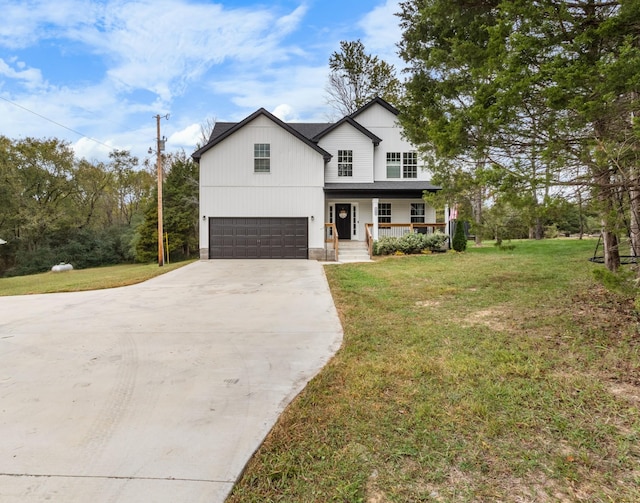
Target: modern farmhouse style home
270, 189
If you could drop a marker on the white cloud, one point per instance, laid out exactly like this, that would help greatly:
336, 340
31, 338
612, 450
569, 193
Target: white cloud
285, 113
186, 138
156, 45
88, 149
186, 57
162, 46
300, 87
382, 32
31, 77
26, 22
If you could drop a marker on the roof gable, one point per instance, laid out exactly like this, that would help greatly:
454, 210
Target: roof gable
226, 129
375, 101
348, 120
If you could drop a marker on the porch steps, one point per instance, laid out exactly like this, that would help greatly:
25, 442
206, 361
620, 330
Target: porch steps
353, 251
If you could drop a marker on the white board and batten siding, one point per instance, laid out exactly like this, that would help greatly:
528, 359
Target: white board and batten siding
293, 163
346, 137
384, 124
229, 186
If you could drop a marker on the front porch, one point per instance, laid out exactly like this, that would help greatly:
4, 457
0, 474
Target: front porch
333, 241
364, 212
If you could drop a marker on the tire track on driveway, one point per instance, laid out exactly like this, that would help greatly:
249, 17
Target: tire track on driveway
159, 392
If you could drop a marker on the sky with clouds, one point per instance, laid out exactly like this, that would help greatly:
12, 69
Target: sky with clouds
96, 72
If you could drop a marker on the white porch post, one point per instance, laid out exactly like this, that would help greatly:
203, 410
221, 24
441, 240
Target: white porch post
447, 221
374, 206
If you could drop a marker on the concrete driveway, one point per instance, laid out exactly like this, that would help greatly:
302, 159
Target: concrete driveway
158, 392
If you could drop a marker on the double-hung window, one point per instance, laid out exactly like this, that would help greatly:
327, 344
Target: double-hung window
384, 213
417, 213
262, 157
393, 164
402, 165
345, 162
409, 165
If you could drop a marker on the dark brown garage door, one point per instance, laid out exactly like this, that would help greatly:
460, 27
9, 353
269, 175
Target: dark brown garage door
258, 237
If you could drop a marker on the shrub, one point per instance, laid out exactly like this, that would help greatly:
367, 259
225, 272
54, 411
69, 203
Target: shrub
410, 243
386, 245
459, 242
435, 241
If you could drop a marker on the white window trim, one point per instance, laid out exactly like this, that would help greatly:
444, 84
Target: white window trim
256, 157
423, 216
344, 164
380, 205
402, 165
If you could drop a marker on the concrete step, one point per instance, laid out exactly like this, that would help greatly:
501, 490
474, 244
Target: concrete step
353, 251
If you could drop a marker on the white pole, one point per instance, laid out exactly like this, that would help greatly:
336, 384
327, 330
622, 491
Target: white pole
374, 205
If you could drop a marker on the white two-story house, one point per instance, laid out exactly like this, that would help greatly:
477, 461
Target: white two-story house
270, 189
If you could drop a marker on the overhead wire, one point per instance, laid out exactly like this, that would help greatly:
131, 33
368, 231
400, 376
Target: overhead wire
57, 123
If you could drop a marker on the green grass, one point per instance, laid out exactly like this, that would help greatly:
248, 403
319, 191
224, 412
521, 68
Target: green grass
84, 279
488, 375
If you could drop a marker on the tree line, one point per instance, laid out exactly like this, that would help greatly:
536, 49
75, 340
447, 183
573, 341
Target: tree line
519, 103
57, 208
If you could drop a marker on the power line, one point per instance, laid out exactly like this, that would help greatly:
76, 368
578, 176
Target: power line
110, 147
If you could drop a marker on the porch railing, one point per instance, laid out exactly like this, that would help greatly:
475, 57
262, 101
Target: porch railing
369, 238
399, 230
331, 236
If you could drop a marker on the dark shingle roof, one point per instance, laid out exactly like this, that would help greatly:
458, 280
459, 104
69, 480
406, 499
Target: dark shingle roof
308, 132
226, 129
309, 129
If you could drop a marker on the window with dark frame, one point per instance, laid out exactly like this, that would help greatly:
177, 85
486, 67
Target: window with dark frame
384, 213
393, 164
262, 157
409, 165
345, 162
417, 213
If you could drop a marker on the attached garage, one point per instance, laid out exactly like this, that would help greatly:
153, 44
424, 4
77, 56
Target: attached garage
259, 238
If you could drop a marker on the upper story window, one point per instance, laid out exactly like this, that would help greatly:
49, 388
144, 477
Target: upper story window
262, 157
409, 165
345, 162
393, 164
384, 213
402, 165
417, 213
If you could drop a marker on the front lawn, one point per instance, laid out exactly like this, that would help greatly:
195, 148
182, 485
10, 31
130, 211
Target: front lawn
84, 279
483, 376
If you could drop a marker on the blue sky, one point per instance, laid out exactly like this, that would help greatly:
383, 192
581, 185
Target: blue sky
105, 68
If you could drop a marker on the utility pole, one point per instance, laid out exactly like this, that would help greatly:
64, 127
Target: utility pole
159, 149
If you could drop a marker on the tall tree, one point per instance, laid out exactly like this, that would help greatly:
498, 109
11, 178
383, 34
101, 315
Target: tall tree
180, 212
449, 49
357, 77
130, 186
181, 207
535, 85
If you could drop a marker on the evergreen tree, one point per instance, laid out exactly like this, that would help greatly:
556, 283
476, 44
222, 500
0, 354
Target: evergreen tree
546, 92
459, 242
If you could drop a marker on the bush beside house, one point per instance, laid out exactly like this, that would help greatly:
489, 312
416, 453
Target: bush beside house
410, 243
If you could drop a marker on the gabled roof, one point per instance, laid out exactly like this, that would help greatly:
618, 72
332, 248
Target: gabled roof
309, 129
375, 101
348, 120
223, 130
